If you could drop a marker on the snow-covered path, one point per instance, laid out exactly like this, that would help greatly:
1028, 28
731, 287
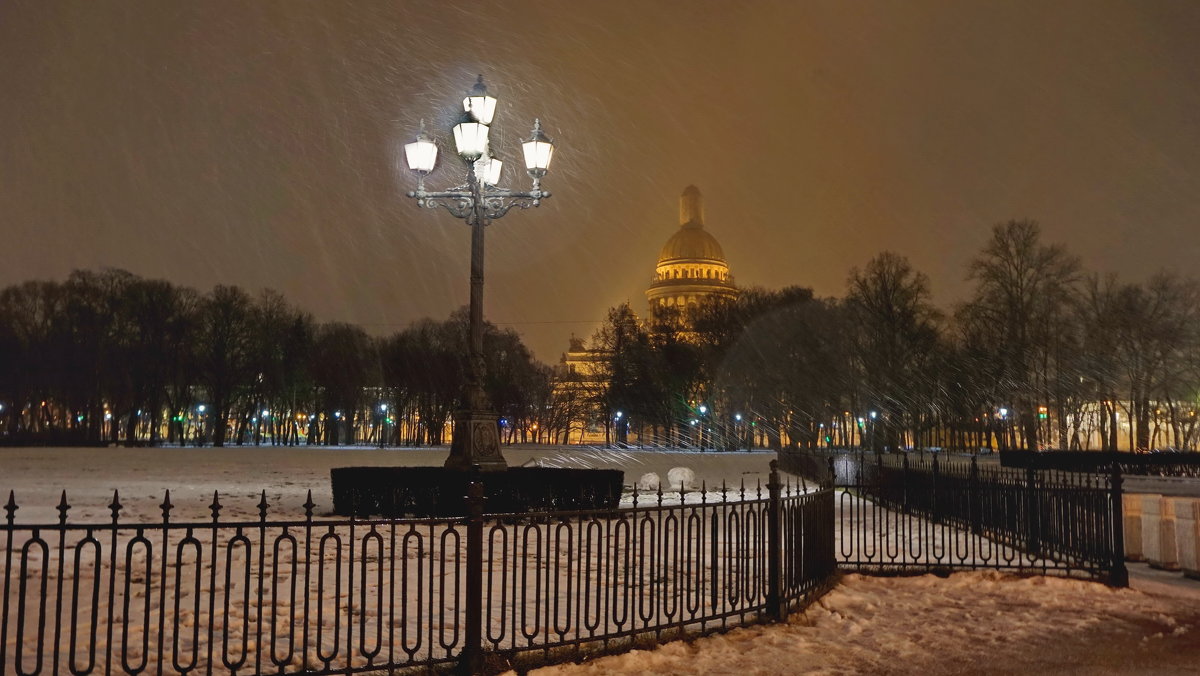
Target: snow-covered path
969, 623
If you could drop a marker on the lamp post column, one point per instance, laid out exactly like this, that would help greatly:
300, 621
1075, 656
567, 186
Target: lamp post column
476, 438
475, 394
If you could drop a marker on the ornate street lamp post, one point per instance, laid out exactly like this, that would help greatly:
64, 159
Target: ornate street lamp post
479, 201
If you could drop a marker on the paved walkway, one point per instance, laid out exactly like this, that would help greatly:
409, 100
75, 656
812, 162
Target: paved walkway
1157, 582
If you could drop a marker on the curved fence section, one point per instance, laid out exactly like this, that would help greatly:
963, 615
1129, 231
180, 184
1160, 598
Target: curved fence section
485, 592
902, 513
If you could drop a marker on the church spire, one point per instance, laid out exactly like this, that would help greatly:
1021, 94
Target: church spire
691, 208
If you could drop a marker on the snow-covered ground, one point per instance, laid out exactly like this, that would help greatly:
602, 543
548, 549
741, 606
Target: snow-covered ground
37, 476
968, 623
971, 622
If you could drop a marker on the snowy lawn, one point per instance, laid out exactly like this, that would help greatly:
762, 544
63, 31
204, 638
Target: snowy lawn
37, 476
972, 622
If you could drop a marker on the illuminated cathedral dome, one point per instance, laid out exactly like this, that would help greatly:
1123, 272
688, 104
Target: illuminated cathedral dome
691, 266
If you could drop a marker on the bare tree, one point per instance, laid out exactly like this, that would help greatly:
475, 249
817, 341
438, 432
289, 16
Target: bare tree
895, 335
1022, 303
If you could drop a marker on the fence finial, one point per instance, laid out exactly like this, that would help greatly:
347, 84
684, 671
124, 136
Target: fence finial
166, 505
308, 506
262, 506
11, 507
62, 508
115, 506
215, 507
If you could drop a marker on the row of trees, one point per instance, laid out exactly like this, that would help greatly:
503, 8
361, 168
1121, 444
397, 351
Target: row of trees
109, 356
1042, 354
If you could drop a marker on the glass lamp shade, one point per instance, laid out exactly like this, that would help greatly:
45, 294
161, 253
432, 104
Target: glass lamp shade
478, 104
481, 107
471, 139
538, 151
421, 155
488, 170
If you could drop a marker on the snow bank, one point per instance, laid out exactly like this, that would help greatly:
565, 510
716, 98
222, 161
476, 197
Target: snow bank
974, 622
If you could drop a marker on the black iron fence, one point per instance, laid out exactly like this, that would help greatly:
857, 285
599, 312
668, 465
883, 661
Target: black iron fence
903, 513
478, 593
1158, 463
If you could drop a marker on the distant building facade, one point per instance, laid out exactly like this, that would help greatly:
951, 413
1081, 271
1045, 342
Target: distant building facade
691, 271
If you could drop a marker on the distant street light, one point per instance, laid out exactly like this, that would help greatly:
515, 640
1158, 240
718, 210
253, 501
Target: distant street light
476, 439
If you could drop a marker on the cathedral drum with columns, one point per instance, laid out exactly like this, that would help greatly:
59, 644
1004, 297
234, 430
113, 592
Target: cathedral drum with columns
691, 267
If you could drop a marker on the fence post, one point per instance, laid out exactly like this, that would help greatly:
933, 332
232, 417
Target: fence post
1119, 575
974, 499
937, 517
775, 605
471, 659
1033, 540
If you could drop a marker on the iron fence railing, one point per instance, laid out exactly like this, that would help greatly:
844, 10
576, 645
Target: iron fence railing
478, 593
925, 513
1156, 464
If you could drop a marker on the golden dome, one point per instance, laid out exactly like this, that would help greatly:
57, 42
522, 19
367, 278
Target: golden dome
691, 242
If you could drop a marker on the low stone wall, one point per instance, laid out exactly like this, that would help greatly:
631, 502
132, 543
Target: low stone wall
1163, 531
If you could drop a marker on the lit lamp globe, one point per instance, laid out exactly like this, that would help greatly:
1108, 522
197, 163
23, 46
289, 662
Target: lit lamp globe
488, 170
538, 151
471, 138
421, 154
479, 105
